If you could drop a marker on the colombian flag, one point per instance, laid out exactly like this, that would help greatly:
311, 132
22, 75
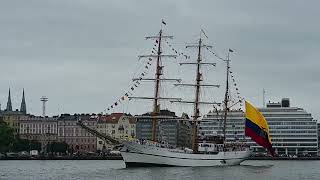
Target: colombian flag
257, 127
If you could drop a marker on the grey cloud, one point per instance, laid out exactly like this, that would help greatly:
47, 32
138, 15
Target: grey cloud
82, 54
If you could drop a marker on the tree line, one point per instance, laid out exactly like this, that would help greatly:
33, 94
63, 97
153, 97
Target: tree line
11, 142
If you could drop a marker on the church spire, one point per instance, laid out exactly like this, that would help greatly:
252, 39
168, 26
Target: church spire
9, 104
23, 107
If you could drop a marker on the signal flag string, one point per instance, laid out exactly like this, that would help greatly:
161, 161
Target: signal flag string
177, 52
134, 86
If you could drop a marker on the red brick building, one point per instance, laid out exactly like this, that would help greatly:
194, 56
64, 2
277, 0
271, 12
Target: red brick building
77, 138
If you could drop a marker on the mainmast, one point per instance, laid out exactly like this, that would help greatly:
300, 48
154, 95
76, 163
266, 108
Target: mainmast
156, 105
197, 101
198, 80
158, 78
196, 113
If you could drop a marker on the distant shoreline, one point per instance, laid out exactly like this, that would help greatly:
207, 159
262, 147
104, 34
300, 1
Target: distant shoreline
64, 158
284, 158
120, 158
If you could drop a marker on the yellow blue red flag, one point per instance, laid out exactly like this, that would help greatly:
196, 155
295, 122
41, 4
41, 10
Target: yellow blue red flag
257, 127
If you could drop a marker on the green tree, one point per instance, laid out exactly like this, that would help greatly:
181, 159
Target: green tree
10, 142
20, 145
6, 137
35, 145
59, 147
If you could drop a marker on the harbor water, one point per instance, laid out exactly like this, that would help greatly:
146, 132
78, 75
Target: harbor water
115, 169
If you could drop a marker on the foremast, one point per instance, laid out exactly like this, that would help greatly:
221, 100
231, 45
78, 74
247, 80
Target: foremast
157, 80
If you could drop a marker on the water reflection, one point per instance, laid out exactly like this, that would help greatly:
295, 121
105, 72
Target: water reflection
104, 170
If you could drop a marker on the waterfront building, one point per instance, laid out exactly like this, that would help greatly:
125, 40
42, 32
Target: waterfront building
171, 129
41, 129
78, 139
293, 130
318, 130
11, 118
212, 124
0, 112
117, 125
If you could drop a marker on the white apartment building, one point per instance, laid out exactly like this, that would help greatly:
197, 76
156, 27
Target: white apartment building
38, 128
292, 129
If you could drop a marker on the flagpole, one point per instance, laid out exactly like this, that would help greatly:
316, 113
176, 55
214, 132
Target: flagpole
264, 98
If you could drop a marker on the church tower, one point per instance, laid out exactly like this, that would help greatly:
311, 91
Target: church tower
9, 104
23, 107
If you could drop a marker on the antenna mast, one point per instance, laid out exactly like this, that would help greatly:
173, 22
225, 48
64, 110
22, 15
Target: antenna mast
44, 99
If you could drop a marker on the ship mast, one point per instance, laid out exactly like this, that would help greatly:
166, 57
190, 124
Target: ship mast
226, 98
158, 79
197, 102
156, 106
157, 75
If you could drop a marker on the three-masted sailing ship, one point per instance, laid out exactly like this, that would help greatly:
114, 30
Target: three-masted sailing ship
206, 151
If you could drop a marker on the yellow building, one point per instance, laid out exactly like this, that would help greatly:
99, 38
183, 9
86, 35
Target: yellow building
12, 118
118, 126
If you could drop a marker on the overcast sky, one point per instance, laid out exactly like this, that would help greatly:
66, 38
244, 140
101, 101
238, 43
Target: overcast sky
82, 54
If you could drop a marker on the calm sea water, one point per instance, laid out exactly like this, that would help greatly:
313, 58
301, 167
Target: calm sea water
104, 169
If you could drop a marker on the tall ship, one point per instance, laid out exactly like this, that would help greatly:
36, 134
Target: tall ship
209, 150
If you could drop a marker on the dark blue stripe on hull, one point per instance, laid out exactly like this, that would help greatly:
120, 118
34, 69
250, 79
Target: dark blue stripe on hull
135, 164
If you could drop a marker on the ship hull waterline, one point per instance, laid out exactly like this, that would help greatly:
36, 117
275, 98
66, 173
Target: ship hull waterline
142, 156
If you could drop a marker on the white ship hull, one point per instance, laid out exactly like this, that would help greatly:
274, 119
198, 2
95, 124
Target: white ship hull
146, 155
